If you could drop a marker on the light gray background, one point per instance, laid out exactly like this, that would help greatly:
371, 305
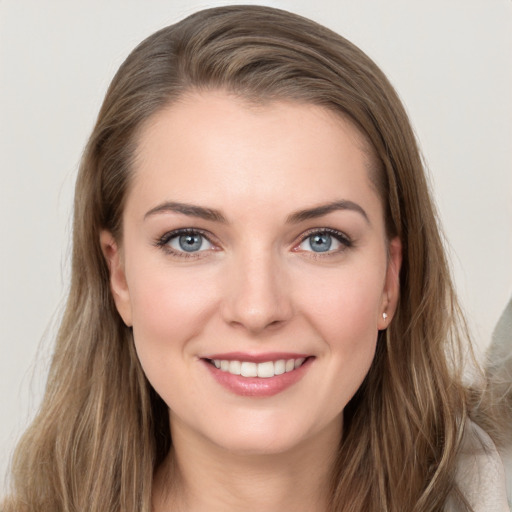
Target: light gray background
450, 60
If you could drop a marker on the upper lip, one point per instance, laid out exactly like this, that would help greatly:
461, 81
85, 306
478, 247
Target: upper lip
256, 358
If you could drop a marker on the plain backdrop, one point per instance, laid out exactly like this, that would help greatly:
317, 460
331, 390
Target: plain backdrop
450, 60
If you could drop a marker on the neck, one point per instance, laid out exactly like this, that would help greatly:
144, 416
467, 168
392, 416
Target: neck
199, 476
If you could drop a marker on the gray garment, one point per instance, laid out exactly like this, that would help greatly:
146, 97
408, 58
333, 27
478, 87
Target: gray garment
480, 475
499, 354
483, 475
499, 367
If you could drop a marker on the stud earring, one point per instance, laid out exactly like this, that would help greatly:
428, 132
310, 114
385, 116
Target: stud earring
385, 316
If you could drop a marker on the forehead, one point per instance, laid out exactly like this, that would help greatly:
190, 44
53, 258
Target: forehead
217, 106
224, 147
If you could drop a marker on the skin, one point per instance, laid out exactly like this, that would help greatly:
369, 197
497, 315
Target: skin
256, 286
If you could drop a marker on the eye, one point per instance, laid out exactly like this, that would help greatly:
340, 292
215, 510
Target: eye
324, 241
185, 241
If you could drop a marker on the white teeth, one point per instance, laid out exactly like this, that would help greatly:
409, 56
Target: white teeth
266, 370
279, 367
263, 370
235, 367
298, 362
249, 369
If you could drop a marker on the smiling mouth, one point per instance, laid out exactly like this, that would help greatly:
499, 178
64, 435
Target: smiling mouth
263, 370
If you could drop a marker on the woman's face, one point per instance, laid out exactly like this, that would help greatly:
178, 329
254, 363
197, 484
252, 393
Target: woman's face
253, 243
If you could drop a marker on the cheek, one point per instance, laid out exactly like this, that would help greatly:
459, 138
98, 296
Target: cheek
169, 309
163, 300
345, 304
344, 313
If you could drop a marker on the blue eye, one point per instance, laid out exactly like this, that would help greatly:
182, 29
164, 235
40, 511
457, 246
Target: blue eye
324, 241
321, 242
185, 242
190, 243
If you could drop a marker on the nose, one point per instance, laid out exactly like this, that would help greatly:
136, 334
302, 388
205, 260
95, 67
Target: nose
257, 295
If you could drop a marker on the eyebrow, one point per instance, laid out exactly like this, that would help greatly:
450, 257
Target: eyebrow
320, 211
294, 218
187, 209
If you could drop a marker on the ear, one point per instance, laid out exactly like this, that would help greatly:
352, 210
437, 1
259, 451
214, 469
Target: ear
118, 284
391, 292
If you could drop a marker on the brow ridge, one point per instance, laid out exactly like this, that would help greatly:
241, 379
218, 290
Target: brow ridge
324, 209
187, 209
294, 218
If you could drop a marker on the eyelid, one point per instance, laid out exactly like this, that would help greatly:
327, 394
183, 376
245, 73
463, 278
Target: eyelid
341, 237
163, 242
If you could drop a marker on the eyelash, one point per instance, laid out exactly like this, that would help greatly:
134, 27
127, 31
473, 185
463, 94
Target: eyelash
163, 242
345, 241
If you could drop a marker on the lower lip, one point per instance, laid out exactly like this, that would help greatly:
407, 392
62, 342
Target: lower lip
256, 386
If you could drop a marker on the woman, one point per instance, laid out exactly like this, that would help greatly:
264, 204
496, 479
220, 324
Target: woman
260, 314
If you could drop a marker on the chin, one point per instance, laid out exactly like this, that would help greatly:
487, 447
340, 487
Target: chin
269, 434
259, 444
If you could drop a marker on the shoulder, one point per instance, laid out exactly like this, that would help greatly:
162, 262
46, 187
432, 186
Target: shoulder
480, 474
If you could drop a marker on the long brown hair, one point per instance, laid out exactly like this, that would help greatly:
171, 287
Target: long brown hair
102, 431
